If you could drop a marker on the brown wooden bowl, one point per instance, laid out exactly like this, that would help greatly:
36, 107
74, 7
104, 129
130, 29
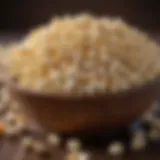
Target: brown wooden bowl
70, 114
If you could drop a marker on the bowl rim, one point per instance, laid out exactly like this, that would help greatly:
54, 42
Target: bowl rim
11, 83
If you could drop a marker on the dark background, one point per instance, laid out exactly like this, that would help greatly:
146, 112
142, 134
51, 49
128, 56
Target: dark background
21, 15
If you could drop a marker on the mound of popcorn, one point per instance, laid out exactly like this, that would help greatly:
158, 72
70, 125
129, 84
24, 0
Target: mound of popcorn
84, 54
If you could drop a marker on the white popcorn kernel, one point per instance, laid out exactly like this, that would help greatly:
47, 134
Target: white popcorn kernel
100, 86
69, 85
139, 141
103, 56
11, 132
88, 64
84, 156
73, 145
116, 149
90, 89
20, 126
10, 117
53, 139
27, 142
76, 57
87, 43
54, 75
73, 156
39, 147
71, 71
14, 129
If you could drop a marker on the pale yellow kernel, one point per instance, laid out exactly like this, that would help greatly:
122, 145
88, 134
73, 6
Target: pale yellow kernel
53, 139
73, 145
116, 149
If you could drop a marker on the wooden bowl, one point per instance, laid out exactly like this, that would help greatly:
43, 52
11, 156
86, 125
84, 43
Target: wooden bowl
86, 114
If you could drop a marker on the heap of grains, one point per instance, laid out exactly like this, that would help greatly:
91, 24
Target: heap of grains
84, 54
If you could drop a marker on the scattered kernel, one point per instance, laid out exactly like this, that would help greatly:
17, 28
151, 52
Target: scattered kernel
53, 139
73, 145
14, 129
10, 117
73, 156
11, 131
84, 156
116, 149
139, 141
39, 147
28, 142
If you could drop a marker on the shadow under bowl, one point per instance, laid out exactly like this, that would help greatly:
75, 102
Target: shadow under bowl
86, 114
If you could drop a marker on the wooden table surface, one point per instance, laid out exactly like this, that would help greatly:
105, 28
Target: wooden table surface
12, 148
